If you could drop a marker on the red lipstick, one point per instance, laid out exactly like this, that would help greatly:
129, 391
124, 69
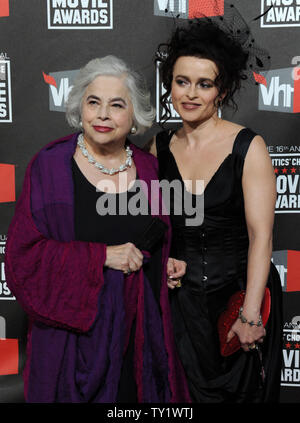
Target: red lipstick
102, 128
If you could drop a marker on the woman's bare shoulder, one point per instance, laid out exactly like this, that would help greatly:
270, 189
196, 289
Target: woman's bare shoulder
230, 129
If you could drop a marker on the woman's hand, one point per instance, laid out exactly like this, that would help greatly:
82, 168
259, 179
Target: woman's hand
124, 257
175, 270
248, 335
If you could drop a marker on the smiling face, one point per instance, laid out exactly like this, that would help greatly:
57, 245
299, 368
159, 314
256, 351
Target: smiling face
194, 93
107, 112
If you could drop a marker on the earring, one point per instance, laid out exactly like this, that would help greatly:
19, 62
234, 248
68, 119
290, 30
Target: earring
133, 130
80, 124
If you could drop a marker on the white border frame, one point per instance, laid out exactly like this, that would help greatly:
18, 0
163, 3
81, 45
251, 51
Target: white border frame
175, 120
13, 298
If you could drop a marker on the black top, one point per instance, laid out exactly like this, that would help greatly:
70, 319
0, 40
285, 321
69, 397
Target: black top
105, 219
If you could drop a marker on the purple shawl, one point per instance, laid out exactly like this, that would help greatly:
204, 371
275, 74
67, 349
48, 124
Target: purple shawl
78, 309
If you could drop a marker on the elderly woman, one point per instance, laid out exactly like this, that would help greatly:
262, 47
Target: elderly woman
202, 67
94, 283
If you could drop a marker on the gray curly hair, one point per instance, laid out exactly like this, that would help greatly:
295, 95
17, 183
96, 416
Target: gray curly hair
112, 66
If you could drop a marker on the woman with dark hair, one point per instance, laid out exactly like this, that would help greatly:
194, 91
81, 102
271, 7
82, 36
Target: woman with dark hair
202, 67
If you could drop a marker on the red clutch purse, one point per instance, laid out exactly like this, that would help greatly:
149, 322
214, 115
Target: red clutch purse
229, 316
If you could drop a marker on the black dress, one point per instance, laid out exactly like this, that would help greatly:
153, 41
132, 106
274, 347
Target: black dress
114, 230
216, 255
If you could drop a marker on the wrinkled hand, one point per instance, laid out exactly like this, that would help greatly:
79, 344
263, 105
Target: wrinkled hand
175, 270
248, 335
124, 257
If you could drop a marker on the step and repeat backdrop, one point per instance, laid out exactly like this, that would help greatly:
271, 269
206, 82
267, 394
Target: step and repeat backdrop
43, 44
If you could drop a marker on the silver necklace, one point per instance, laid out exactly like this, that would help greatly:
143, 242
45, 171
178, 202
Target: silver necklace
103, 169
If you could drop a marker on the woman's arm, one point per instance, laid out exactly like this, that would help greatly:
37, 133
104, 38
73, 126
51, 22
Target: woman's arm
259, 190
56, 283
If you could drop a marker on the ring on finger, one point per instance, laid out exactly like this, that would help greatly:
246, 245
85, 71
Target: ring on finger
178, 285
178, 280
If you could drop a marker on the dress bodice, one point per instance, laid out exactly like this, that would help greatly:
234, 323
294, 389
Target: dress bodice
216, 249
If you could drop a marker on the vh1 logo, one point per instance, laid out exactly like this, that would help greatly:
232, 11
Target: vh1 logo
188, 9
280, 91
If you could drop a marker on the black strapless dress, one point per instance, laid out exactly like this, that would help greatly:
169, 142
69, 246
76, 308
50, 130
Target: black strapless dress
216, 255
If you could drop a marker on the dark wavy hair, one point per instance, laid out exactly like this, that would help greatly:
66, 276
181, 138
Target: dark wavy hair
203, 38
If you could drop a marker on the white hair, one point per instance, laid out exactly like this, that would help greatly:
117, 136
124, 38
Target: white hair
143, 112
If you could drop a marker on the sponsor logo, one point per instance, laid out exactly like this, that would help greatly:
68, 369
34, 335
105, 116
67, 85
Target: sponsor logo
5, 89
4, 8
277, 13
60, 85
80, 14
290, 372
279, 90
5, 292
286, 163
9, 352
188, 9
7, 185
287, 263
